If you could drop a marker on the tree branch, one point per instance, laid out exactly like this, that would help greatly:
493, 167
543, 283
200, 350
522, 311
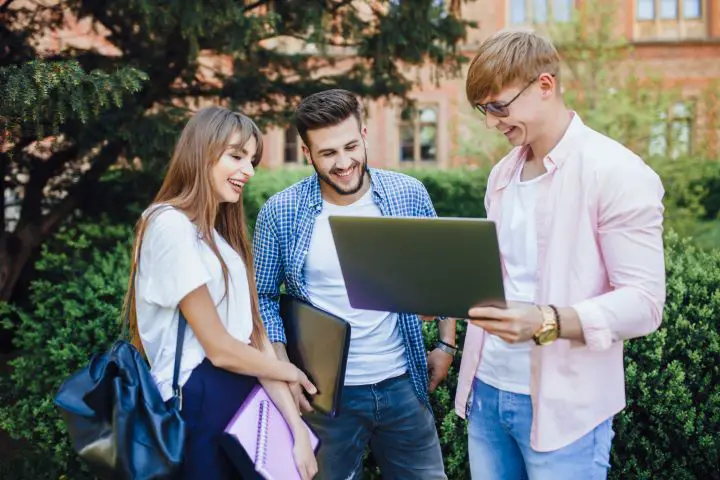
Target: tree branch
107, 156
329, 41
4, 163
40, 174
196, 91
255, 5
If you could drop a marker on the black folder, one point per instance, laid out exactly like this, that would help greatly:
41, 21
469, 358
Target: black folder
318, 344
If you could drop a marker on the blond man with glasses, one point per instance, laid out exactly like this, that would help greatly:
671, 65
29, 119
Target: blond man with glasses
580, 221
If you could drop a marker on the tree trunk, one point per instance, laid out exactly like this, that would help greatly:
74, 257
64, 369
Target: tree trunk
17, 248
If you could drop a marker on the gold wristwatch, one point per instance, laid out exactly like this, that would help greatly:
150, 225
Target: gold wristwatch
550, 329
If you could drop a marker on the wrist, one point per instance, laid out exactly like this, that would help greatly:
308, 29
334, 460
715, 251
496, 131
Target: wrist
447, 332
450, 342
280, 351
449, 348
556, 312
548, 325
299, 431
287, 372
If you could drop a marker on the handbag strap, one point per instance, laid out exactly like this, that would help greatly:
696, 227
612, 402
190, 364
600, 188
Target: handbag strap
177, 392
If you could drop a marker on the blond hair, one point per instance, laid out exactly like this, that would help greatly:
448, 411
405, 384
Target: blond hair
508, 57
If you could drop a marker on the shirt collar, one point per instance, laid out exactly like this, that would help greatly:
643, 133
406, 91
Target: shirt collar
555, 159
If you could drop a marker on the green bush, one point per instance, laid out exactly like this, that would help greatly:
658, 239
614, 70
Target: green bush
265, 184
692, 188
692, 192
669, 429
76, 305
457, 192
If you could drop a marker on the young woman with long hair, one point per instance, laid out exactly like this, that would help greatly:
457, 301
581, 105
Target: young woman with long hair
192, 254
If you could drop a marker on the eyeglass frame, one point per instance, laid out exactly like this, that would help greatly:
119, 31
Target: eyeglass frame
502, 107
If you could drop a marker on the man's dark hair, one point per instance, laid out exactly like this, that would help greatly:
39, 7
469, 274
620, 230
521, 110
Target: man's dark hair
326, 109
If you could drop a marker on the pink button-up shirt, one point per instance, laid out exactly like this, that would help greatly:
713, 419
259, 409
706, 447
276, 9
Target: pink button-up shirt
599, 220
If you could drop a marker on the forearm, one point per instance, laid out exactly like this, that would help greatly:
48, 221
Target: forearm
570, 326
280, 394
224, 350
621, 314
446, 330
280, 351
235, 356
279, 391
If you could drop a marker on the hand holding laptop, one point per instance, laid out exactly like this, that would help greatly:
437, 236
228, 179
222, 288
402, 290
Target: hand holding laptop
318, 344
296, 388
516, 323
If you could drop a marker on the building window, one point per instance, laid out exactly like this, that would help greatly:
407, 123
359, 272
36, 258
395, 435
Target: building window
418, 135
293, 150
668, 9
672, 135
670, 20
562, 10
540, 11
692, 9
645, 9
517, 12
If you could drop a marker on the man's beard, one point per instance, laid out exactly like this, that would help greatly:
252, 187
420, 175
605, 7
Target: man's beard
362, 167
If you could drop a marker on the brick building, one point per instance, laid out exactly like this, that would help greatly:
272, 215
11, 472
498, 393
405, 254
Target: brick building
678, 40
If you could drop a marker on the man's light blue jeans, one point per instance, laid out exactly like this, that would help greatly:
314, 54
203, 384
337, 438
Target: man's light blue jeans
499, 442
388, 417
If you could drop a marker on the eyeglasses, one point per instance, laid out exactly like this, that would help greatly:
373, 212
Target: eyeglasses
500, 109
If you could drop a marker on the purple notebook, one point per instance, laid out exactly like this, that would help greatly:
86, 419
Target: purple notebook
259, 441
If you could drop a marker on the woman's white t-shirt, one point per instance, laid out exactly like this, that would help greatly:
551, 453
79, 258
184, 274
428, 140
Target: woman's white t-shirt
174, 261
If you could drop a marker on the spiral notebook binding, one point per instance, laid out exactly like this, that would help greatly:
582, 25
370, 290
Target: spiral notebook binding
262, 440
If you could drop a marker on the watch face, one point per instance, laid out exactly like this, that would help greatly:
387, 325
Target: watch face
547, 336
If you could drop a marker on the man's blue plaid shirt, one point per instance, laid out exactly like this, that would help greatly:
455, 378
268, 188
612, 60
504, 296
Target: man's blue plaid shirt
282, 238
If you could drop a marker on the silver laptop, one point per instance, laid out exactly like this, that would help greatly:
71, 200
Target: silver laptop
429, 266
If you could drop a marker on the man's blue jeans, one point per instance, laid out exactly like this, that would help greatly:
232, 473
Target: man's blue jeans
390, 418
499, 442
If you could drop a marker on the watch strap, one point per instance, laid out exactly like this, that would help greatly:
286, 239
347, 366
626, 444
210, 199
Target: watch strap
557, 319
446, 347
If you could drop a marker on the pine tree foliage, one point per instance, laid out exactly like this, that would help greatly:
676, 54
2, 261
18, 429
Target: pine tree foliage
123, 93
39, 96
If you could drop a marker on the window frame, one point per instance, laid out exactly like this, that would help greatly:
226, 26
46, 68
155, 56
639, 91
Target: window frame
664, 136
299, 156
417, 124
680, 27
680, 12
529, 16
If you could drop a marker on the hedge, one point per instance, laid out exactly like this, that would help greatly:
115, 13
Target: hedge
669, 429
692, 193
454, 192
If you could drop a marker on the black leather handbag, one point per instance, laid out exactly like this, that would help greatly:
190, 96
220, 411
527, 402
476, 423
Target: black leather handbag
118, 423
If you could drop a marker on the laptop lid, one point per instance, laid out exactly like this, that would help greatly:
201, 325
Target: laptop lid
429, 266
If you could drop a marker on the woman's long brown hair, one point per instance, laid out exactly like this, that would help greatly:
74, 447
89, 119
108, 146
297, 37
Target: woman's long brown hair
187, 187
